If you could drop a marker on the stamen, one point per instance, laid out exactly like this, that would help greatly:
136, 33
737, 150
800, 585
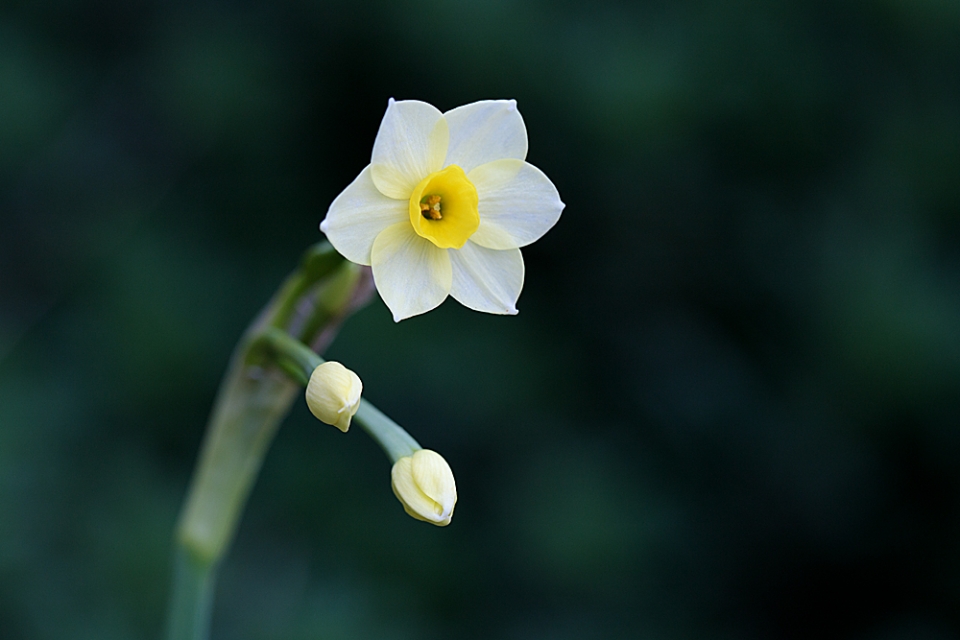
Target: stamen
430, 207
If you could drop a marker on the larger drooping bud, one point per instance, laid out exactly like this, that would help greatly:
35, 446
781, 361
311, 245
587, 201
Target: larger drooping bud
423, 482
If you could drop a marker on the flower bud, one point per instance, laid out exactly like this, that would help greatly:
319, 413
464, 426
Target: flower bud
423, 482
333, 394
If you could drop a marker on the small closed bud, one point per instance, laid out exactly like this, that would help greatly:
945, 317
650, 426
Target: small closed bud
333, 394
423, 482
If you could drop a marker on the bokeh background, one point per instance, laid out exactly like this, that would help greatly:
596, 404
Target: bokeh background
728, 407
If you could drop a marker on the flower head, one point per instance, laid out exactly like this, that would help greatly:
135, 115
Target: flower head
444, 207
423, 482
333, 394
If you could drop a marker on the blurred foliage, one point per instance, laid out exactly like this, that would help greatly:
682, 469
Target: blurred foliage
728, 408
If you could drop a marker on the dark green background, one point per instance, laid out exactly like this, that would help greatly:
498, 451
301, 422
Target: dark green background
727, 409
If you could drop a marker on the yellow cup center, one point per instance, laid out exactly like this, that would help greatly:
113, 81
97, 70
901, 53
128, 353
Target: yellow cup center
443, 208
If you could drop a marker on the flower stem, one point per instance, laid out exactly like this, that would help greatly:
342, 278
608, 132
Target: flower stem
272, 361
192, 597
255, 395
251, 404
318, 262
295, 358
391, 437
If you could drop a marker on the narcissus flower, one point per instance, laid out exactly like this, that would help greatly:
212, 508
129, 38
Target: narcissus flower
333, 394
444, 207
423, 482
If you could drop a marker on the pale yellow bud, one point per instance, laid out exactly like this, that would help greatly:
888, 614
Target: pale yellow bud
423, 482
333, 394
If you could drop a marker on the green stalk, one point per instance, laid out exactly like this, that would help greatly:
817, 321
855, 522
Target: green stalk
391, 437
249, 408
295, 358
254, 397
270, 365
252, 403
193, 597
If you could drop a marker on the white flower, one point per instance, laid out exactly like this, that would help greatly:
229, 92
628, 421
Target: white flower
444, 207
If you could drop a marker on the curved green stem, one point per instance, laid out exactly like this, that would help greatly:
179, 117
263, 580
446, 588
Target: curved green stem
270, 365
295, 358
192, 597
256, 394
318, 262
391, 437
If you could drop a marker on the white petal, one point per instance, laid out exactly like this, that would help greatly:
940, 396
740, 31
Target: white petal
518, 204
410, 145
358, 215
412, 274
487, 279
485, 131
